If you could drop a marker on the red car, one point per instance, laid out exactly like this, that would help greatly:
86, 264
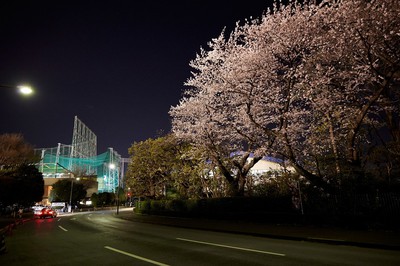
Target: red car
45, 212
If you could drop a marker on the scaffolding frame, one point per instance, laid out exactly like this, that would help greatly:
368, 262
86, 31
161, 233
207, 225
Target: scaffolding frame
65, 161
84, 141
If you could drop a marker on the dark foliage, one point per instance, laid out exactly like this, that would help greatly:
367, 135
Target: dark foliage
21, 185
62, 191
102, 199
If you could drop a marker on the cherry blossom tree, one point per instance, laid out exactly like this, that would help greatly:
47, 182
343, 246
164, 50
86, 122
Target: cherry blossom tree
355, 72
316, 84
203, 117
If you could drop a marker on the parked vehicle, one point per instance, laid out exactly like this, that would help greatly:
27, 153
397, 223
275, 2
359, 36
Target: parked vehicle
59, 207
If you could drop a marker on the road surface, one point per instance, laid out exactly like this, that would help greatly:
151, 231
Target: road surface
100, 238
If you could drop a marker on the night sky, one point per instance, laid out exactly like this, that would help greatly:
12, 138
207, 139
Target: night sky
117, 65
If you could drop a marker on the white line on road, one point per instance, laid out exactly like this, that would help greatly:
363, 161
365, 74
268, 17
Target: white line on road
63, 228
113, 226
136, 256
232, 247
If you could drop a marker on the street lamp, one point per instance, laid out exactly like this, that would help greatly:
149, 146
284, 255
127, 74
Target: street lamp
23, 89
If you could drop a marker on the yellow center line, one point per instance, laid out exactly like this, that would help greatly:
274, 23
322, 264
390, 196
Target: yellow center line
231, 247
135, 256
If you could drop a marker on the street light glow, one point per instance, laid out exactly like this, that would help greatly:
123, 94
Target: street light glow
25, 90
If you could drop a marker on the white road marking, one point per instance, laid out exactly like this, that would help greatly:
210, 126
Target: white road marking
135, 256
232, 247
63, 228
113, 226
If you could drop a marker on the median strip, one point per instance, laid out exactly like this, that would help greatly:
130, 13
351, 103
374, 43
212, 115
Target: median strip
135, 256
231, 247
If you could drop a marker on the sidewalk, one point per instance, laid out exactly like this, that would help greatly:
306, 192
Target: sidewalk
329, 235
7, 222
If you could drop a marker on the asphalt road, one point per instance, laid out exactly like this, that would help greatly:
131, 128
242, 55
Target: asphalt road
100, 238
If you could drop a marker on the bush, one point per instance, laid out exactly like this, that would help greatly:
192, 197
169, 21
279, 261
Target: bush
143, 206
157, 205
176, 206
192, 206
231, 208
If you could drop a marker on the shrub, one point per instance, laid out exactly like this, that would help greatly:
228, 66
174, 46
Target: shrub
176, 206
157, 205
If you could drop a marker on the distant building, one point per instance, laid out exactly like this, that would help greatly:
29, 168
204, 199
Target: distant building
269, 165
100, 172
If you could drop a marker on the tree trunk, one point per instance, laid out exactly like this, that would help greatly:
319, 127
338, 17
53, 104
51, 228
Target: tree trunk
333, 144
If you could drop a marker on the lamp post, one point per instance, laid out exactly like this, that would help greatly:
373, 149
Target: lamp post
118, 197
112, 167
23, 89
70, 194
129, 197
